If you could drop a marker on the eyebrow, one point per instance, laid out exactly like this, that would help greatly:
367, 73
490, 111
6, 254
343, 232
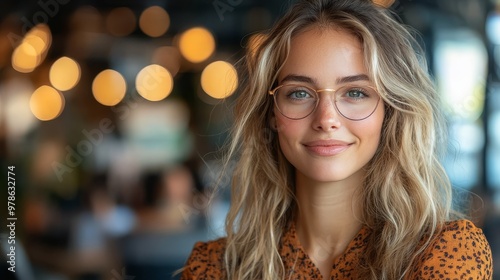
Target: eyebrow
309, 80
350, 79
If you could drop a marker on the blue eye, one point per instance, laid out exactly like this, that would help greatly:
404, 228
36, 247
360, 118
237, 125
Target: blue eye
299, 94
296, 93
356, 93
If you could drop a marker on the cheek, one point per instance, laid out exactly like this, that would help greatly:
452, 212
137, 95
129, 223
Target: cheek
287, 128
371, 131
282, 129
281, 123
288, 131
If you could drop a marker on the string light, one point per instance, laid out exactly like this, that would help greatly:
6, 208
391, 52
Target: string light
46, 103
219, 79
64, 73
197, 44
109, 87
154, 21
154, 82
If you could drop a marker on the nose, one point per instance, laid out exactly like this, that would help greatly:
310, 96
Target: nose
326, 117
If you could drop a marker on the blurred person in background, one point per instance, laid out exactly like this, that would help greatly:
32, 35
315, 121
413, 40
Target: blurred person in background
49, 208
169, 221
165, 195
97, 227
348, 185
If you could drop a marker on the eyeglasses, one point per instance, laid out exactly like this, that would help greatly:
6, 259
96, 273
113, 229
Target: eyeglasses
353, 102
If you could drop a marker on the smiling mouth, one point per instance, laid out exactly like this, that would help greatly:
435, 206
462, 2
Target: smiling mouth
327, 149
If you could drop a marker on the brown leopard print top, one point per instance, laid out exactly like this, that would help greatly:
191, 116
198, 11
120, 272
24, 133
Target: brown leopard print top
459, 252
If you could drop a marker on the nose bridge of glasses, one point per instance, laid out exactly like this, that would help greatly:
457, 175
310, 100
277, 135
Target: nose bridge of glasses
330, 92
326, 89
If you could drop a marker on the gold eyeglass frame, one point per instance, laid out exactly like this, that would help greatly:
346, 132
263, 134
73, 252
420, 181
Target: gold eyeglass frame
317, 91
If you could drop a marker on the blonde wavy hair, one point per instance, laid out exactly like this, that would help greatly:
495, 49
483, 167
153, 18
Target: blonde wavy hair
407, 195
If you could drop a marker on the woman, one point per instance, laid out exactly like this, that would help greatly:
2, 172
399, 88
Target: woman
347, 185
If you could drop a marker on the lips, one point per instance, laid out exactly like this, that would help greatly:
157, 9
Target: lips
326, 147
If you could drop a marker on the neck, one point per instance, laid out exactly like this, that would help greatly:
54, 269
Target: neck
328, 215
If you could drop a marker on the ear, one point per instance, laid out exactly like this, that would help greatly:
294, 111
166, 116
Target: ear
383, 3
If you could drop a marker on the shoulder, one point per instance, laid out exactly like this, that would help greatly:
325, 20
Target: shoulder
205, 261
459, 251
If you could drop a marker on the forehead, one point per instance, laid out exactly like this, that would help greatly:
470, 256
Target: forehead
324, 53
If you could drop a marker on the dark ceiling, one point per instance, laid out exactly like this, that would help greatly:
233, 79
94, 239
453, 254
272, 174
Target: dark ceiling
224, 17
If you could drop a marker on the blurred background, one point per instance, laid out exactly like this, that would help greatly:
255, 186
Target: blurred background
112, 114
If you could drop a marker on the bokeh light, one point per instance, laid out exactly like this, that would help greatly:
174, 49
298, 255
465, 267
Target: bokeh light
219, 79
46, 103
32, 50
15, 111
109, 87
461, 71
121, 21
25, 58
88, 19
64, 73
168, 57
38, 44
154, 21
196, 44
40, 38
154, 82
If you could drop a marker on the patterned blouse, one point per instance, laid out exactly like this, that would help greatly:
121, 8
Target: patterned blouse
459, 252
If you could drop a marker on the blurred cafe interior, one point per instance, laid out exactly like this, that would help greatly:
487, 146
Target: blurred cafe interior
113, 115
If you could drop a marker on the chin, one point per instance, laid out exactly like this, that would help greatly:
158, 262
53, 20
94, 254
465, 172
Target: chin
321, 174
326, 176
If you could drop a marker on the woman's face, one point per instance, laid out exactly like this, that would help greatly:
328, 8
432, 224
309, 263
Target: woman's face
325, 146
